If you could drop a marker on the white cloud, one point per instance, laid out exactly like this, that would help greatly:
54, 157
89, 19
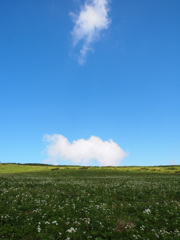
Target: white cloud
92, 19
82, 151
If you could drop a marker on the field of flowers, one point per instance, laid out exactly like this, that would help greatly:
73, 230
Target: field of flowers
84, 203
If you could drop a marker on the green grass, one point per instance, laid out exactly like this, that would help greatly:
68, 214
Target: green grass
46, 169
77, 203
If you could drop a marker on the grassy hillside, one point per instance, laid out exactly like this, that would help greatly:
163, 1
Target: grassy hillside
49, 169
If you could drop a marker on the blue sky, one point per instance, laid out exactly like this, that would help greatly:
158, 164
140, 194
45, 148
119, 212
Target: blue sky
125, 87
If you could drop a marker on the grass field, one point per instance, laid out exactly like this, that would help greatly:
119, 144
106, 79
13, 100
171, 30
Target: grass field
79, 203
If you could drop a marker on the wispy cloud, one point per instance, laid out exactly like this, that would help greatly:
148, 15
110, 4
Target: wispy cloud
92, 19
82, 151
173, 162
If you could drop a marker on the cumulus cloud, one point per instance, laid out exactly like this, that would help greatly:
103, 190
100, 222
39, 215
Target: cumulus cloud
82, 151
92, 19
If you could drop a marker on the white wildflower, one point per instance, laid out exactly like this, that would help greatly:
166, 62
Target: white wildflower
148, 211
71, 230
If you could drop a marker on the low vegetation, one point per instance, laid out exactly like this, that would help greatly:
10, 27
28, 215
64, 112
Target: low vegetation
78, 203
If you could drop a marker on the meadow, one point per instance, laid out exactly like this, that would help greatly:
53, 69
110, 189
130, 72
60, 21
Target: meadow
78, 203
